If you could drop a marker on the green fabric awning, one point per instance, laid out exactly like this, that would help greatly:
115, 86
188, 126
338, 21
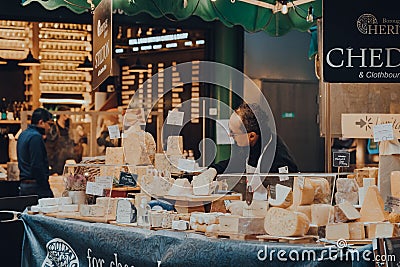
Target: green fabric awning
252, 18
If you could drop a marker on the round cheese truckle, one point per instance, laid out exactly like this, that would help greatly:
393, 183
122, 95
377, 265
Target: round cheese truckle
282, 222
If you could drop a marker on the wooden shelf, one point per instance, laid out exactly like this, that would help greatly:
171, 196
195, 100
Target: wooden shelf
63, 92
9, 122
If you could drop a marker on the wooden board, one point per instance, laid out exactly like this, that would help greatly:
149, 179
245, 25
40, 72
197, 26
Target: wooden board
77, 216
193, 198
233, 236
288, 239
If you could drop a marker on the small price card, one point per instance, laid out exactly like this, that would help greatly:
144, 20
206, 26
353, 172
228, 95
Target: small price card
175, 118
383, 132
113, 131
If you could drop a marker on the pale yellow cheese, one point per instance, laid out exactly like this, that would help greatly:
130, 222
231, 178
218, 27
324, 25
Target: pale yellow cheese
283, 197
346, 185
92, 210
351, 197
320, 214
357, 231
395, 184
306, 210
115, 155
303, 191
371, 230
322, 191
386, 230
175, 145
282, 222
372, 209
345, 212
337, 231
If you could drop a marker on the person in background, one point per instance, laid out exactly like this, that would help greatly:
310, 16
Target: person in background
103, 138
33, 163
246, 125
60, 146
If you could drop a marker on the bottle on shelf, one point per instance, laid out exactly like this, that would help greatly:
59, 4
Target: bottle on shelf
10, 111
3, 109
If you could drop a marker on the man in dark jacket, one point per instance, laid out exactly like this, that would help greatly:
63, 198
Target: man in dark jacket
256, 149
32, 156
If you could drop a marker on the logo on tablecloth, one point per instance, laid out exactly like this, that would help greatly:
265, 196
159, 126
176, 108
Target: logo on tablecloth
60, 253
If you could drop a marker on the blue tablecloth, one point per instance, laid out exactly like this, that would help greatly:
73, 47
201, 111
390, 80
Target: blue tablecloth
62, 242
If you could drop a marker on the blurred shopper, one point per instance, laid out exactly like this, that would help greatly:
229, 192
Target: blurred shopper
60, 146
32, 156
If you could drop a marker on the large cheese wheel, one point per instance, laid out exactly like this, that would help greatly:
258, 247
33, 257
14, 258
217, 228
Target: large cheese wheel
282, 222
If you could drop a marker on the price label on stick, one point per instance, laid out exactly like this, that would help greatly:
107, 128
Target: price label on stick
383, 132
341, 159
175, 118
113, 131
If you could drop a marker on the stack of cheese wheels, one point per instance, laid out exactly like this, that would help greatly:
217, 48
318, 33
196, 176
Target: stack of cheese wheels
282, 222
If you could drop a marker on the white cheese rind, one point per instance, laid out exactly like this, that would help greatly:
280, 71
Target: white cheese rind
92, 210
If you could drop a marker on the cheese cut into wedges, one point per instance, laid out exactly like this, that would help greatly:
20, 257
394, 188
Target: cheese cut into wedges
372, 209
345, 212
357, 231
351, 197
303, 191
283, 197
282, 222
337, 231
346, 185
64, 200
320, 214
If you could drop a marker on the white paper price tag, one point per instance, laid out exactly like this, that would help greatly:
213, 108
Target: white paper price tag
187, 165
105, 181
283, 169
93, 188
175, 118
113, 131
383, 132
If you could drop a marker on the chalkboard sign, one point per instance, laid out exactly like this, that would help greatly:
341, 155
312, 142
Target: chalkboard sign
341, 159
129, 179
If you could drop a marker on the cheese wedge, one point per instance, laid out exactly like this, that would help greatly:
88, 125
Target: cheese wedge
372, 209
345, 212
386, 230
322, 191
283, 197
306, 210
320, 214
303, 191
282, 222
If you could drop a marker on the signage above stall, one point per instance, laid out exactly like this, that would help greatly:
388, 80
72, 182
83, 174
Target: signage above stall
363, 125
102, 42
360, 42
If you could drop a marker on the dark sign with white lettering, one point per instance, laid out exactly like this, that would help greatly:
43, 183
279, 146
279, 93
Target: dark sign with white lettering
361, 42
128, 179
341, 159
102, 42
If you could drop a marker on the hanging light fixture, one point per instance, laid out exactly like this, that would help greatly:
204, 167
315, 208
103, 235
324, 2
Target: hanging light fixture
86, 65
29, 61
138, 67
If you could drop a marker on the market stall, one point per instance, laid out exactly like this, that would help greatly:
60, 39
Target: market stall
93, 244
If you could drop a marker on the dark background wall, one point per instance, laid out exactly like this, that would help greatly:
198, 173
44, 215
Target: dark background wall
286, 78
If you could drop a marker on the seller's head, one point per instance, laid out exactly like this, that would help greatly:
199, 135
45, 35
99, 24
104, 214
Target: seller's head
246, 123
42, 118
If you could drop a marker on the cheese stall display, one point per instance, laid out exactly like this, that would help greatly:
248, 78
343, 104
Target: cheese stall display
303, 207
